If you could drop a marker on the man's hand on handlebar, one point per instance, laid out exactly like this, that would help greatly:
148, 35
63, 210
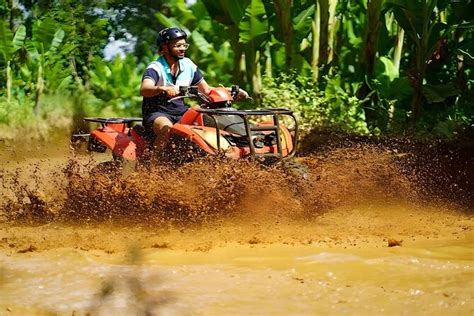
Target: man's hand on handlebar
171, 91
242, 95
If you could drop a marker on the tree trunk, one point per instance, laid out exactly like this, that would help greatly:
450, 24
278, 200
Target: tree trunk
237, 70
369, 57
397, 55
417, 75
323, 37
39, 90
461, 78
416, 102
315, 25
253, 70
9, 82
283, 13
257, 78
332, 26
372, 34
419, 72
268, 62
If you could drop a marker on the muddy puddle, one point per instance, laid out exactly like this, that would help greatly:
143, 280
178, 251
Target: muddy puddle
351, 230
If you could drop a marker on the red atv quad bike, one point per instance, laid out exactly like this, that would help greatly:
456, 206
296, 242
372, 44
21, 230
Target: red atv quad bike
213, 128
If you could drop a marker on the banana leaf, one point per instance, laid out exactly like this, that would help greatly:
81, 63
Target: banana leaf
254, 26
227, 12
10, 43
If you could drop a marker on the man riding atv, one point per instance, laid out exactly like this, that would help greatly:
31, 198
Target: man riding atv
178, 132
161, 81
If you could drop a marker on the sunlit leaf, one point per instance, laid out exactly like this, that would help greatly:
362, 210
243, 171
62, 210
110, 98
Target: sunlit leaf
6, 41
57, 40
227, 11
201, 43
19, 38
390, 71
44, 33
302, 22
166, 21
32, 50
468, 58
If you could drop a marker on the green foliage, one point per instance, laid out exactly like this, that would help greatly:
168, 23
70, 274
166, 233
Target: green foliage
137, 18
427, 34
18, 118
253, 26
446, 122
404, 60
116, 84
10, 43
333, 108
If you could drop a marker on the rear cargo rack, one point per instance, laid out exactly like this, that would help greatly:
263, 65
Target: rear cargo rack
114, 120
245, 114
104, 121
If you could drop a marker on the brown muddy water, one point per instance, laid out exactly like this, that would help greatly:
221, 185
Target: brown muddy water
363, 229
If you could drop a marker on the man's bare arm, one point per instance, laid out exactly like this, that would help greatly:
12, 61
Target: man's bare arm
204, 87
148, 89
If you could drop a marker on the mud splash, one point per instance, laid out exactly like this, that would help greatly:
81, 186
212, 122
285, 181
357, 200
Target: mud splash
339, 196
207, 191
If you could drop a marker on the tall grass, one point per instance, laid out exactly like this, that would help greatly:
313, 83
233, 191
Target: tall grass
18, 120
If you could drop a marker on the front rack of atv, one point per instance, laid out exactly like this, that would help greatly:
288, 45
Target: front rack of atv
245, 114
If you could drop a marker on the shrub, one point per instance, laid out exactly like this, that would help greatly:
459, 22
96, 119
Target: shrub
332, 108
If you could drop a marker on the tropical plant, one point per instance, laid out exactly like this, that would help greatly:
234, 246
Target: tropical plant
10, 45
406, 61
427, 32
42, 47
332, 108
116, 83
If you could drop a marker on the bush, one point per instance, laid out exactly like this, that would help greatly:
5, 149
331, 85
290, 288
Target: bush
332, 108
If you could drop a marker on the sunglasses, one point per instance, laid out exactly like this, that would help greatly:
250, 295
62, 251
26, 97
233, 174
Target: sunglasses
181, 46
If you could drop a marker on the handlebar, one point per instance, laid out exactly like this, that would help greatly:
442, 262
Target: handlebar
189, 92
193, 92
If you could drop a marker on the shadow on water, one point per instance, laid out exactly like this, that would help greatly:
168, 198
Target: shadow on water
128, 292
127, 288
